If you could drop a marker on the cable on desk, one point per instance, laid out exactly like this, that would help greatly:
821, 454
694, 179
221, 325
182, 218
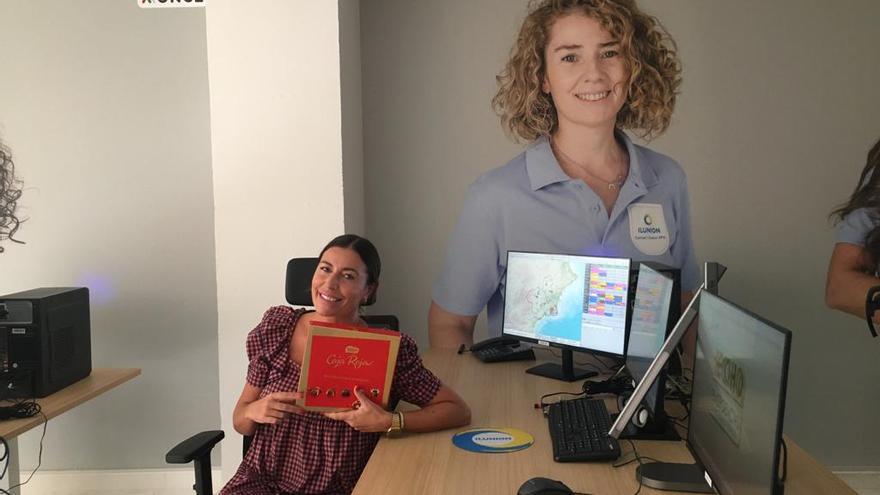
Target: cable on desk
639, 459
22, 409
613, 367
543, 405
35, 408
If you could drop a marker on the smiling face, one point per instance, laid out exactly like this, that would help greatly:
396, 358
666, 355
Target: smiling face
584, 73
339, 285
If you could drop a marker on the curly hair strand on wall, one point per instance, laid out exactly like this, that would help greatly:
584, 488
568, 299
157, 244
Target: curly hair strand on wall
10, 192
649, 53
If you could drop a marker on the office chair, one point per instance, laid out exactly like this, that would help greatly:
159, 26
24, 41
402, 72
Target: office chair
197, 448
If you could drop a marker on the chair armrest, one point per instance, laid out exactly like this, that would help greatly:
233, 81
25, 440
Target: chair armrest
194, 447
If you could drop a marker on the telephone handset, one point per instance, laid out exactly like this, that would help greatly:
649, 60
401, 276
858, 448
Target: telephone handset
502, 348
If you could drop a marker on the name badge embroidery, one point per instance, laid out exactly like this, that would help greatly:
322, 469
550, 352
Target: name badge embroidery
647, 228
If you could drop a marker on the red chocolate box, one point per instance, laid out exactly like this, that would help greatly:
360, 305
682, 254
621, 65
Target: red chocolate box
339, 358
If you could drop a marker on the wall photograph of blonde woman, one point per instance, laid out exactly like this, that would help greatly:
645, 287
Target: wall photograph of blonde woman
771, 124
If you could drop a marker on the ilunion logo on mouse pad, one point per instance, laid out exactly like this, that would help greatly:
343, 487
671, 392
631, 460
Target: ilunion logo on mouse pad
492, 440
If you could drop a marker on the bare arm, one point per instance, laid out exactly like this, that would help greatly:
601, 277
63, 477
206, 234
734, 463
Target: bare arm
847, 283
446, 410
448, 330
251, 410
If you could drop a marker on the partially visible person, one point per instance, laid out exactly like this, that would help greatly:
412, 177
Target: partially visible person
301, 452
853, 268
581, 72
10, 192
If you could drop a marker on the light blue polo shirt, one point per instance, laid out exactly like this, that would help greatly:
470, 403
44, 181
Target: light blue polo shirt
856, 226
530, 204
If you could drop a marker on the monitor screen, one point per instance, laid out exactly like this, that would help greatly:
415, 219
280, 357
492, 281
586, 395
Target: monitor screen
740, 375
647, 333
567, 300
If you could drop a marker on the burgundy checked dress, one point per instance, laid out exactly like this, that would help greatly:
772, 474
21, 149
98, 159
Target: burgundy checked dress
311, 454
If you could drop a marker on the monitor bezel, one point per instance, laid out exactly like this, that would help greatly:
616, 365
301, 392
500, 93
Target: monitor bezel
712, 471
558, 344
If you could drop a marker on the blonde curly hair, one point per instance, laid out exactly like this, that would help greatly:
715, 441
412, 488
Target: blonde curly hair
649, 54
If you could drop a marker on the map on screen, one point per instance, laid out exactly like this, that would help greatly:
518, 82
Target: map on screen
573, 300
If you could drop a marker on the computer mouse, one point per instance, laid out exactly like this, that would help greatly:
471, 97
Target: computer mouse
543, 486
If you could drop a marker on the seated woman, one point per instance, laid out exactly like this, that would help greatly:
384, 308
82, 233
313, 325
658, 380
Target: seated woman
854, 262
297, 451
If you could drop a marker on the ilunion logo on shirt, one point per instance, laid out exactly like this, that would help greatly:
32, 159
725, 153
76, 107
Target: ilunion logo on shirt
647, 228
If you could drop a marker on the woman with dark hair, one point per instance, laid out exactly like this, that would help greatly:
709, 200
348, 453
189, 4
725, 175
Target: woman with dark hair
9, 194
581, 72
853, 268
296, 451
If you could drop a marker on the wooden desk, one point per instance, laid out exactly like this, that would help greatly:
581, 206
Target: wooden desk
99, 381
503, 395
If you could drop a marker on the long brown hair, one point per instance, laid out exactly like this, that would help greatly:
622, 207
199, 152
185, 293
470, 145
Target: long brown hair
866, 195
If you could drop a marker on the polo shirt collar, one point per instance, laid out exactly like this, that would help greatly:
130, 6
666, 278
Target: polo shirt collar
543, 169
541, 165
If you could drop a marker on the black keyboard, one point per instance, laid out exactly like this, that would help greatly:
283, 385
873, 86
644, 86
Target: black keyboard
579, 431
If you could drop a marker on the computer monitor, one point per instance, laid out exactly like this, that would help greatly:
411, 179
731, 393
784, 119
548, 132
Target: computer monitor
650, 321
737, 404
738, 401
573, 302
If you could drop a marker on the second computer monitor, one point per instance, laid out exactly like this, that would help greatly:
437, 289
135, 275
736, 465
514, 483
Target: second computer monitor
570, 301
648, 330
738, 403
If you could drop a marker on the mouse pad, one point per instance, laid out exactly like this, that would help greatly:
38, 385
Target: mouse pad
493, 440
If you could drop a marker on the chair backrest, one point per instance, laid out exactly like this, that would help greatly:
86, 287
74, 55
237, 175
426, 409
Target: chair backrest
297, 284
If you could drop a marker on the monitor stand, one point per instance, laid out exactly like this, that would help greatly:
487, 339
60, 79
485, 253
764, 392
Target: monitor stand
655, 429
565, 372
672, 476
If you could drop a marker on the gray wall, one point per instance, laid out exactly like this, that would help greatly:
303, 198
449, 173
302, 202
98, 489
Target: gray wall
777, 112
105, 106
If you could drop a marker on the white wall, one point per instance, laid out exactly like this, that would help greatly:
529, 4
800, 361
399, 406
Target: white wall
778, 109
105, 107
352, 115
108, 112
274, 70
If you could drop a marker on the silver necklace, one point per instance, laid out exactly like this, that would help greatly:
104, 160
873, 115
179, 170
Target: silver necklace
613, 184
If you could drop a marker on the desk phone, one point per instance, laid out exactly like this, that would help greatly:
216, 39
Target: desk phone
500, 349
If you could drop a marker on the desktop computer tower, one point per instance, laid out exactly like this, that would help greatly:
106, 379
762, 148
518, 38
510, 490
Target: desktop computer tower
45, 342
